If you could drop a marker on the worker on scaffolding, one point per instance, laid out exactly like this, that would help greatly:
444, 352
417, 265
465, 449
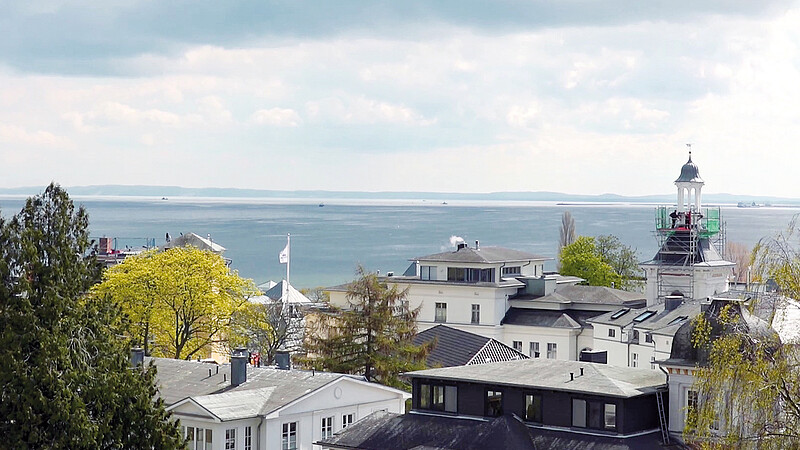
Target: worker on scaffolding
674, 216
688, 219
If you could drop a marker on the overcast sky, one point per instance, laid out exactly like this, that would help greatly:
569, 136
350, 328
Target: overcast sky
575, 96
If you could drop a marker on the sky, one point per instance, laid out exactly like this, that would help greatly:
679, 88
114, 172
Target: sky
574, 96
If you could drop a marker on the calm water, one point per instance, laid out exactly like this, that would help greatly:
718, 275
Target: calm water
328, 242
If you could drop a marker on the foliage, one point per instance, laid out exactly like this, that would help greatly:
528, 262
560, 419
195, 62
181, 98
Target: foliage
265, 328
582, 259
372, 337
181, 299
621, 258
747, 392
65, 373
317, 294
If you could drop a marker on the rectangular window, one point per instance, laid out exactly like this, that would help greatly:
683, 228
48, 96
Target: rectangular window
578, 413
427, 272
648, 338
200, 438
476, 313
327, 427
612, 332
230, 439
533, 350
289, 436
517, 346
691, 404
635, 336
248, 438
512, 270
424, 396
610, 416
451, 399
441, 312
494, 403
470, 275
456, 274
652, 363
437, 402
347, 420
209, 436
533, 408
552, 350
190, 435
634, 360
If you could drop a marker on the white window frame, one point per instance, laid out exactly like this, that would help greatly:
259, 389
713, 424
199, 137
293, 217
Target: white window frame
230, 439
517, 345
612, 332
289, 433
248, 438
552, 350
476, 314
347, 420
440, 313
533, 350
327, 427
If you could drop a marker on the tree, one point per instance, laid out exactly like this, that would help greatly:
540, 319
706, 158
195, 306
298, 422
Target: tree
621, 258
372, 337
740, 254
65, 374
265, 328
316, 295
182, 299
582, 259
566, 233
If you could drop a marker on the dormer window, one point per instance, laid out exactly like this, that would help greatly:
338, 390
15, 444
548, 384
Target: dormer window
427, 272
470, 275
512, 271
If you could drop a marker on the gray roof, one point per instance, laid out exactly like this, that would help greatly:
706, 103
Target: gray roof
676, 252
482, 255
533, 317
590, 294
689, 172
193, 240
455, 347
601, 379
265, 390
660, 323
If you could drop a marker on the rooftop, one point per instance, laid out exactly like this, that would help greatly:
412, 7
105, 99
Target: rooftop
554, 374
548, 318
483, 255
568, 293
458, 348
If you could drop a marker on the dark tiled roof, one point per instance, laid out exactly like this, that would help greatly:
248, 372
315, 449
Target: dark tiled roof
689, 172
600, 295
457, 348
388, 431
548, 318
482, 255
676, 250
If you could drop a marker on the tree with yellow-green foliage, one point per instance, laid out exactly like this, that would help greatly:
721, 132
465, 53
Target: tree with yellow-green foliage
179, 301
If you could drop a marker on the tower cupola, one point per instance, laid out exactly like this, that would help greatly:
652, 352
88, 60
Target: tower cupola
689, 186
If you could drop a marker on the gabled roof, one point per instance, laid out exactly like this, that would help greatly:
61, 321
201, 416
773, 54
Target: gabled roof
382, 430
193, 240
600, 295
662, 322
483, 255
457, 348
274, 292
600, 379
532, 317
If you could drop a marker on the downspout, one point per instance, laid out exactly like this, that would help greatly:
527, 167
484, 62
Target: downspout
258, 432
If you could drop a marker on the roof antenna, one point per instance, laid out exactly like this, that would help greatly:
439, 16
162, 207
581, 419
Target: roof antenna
689, 146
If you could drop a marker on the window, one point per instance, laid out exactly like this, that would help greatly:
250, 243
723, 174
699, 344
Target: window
644, 316
197, 438
634, 360
677, 320
190, 436
648, 338
327, 427
652, 363
441, 312
512, 270
552, 350
612, 332
200, 438
517, 346
248, 438
578, 413
438, 397
610, 416
636, 336
494, 403
289, 436
230, 439
347, 420
427, 272
476, 314
470, 275
691, 403
620, 313
534, 350
533, 408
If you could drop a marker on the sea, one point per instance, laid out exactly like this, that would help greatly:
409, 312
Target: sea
330, 238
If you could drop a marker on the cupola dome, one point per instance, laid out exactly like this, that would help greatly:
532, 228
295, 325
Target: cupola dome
689, 173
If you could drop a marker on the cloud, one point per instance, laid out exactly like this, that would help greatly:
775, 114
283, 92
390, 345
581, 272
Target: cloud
360, 110
279, 117
16, 135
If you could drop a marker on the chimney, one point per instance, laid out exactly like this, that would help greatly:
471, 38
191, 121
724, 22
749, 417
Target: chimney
571, 376
137, 356
238, 366
283, 360
672, 301
581, 371
461, 245
477, 244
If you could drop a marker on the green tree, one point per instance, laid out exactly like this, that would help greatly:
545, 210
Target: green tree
65, 374
265, 328
582, 259
621, 258
372, 337
182, 299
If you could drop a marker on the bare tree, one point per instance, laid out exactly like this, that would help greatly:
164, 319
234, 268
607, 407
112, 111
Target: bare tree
738, 253
267, 327
567, 233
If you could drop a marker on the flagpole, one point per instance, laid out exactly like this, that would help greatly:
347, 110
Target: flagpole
288, 262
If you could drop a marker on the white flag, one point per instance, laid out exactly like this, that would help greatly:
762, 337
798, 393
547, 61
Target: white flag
284, 256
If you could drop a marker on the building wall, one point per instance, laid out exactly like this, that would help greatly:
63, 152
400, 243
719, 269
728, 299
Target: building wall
564, 338
679, 385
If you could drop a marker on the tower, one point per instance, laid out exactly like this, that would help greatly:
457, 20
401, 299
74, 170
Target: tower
689, 262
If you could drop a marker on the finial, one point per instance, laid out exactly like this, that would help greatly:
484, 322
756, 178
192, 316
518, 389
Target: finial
689, 146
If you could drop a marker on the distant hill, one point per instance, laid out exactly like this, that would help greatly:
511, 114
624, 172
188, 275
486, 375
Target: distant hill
177, 191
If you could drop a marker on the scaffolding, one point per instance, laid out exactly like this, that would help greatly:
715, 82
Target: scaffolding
681, 242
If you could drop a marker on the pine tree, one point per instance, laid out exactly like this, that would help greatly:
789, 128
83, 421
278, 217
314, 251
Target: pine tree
65, 375
372, 337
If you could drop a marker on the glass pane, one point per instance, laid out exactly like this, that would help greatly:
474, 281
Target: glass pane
611, 416
595, 415
494, 403
438, 398
424, 396
451, 399
533, 408
578, 413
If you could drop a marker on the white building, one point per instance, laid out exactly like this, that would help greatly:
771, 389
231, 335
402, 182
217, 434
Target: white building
241, 407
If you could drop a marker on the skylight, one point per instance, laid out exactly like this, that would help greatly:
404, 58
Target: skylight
644, 316
620, 313
677, 320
